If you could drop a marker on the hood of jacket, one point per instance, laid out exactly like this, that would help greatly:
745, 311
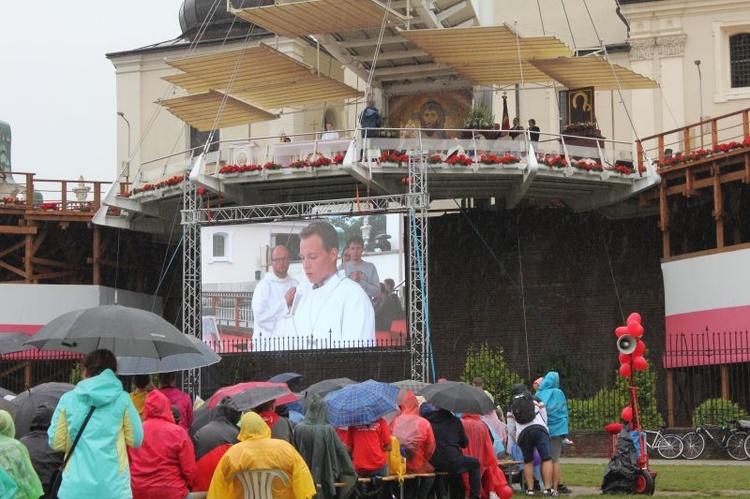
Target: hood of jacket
157, 407
370, 111
410, 405
317, 412
252, 427
227, 409
42, 416
7, 427
99, 390
439, 415
518, 389
551, 380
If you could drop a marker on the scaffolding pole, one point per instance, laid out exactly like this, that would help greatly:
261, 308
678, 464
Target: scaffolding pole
418, 203
191, 276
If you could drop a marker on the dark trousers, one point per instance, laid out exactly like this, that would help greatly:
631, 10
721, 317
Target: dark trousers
470, 465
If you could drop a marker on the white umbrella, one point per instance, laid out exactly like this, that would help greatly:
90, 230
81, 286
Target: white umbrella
125, 331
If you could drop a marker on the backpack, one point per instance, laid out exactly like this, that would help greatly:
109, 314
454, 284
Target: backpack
523, 408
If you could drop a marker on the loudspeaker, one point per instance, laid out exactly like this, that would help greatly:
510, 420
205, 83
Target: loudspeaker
626, 344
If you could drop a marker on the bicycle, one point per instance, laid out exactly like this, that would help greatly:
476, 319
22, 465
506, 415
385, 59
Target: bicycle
668, 445
732, 441
745, 426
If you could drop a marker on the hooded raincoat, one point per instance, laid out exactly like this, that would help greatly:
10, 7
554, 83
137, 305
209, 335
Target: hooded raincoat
415, 435
44, 459
98, 466
480, 447
556, 403
257, 450
320, 446
164, 465
14, 459
222, 429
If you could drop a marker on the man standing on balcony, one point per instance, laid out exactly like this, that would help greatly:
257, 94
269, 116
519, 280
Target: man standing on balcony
272, 298
330, 310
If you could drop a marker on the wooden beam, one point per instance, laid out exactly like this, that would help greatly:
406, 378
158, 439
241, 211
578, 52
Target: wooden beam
97, 252
367, 42
54, 263
718, 208
53, 275
11, 249
664, 221
14, 229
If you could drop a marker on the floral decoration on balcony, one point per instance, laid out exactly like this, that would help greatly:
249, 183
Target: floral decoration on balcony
435, 159
298, 165
588, 165
625, 170
493, 159
338, 159
460, 159
393, 157
554, 161
11, 200
49, 206
704, 153
272, 166
582, 129
170, 182
229, 169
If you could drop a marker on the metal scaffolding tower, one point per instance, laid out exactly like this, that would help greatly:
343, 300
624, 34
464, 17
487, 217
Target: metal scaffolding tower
418, 203
191, 278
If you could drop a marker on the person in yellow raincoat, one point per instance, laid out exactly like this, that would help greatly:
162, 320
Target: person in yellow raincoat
257, 450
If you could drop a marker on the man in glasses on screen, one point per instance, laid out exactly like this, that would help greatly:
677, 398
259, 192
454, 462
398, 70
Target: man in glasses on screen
330, 311
272, 299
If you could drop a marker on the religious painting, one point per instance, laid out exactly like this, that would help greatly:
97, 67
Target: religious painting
581, 105
434, 112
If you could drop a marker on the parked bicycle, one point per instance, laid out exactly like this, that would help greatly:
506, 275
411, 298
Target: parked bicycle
668, 445
745, 426
732, 440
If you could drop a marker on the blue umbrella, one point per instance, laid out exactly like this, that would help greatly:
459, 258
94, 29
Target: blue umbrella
361, 404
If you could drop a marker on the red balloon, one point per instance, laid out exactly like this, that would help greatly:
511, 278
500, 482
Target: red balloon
640, 349
634, 327
635, 316
639, 331
613, 428
624, 358
621, 330
625, 370
640, 363
505, 492
627, 414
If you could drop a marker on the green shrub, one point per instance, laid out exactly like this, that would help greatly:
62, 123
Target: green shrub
489, 364
718, 411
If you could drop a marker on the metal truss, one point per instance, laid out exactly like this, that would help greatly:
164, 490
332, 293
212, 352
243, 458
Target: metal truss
191, 281
418, 204
297, 210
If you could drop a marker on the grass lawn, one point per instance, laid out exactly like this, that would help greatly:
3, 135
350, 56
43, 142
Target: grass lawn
707, 481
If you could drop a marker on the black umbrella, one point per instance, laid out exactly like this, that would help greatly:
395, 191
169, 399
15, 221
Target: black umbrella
458, 397
178, 362
126, 331
253, 397
291, 379
6, 404
27, 402
13, 342
328, 385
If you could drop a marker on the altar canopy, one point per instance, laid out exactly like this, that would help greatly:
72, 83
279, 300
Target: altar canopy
259, 75
210, 110
592, 71
318, 16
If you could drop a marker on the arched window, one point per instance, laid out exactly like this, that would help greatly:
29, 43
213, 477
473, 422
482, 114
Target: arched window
221, 249
739, 59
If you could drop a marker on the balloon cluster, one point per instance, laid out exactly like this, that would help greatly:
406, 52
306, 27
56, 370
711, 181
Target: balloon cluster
631, 348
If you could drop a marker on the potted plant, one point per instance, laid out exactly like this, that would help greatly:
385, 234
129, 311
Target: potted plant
480, 118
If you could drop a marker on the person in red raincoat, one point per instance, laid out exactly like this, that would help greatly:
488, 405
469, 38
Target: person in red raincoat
480, 447
415, 435
164, 465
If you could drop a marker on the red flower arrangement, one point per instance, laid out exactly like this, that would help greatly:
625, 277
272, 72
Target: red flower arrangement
460, 159
702, 153
201, 191
170, 182
300, 164
555, 161
10, 200
393, 157
228, 169
492, 159
272, 166
589, 166
338, 159
625, 170
49, 206
435, 159
321, 161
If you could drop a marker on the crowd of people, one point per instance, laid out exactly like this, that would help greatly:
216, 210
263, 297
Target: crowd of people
106, 449
343, 302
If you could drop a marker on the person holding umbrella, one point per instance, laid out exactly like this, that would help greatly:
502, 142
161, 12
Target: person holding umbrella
98, 466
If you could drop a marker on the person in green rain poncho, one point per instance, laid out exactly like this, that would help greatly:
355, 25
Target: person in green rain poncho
15, 461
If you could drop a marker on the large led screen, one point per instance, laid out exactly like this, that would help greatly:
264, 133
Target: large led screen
333, 282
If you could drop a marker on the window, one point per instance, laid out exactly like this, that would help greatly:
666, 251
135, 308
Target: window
739, 60
221, 247
198, 139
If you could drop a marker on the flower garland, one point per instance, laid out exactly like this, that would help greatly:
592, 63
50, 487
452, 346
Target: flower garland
393, 157
460, 159
49, 206
704, 153
229, 169
492, 159
170, 182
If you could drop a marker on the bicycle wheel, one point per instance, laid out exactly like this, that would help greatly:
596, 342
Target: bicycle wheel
736, 446
669, 446
747, 446
693, 445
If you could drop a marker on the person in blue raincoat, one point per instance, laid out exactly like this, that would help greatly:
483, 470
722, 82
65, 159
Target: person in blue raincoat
99, 465
557, 420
